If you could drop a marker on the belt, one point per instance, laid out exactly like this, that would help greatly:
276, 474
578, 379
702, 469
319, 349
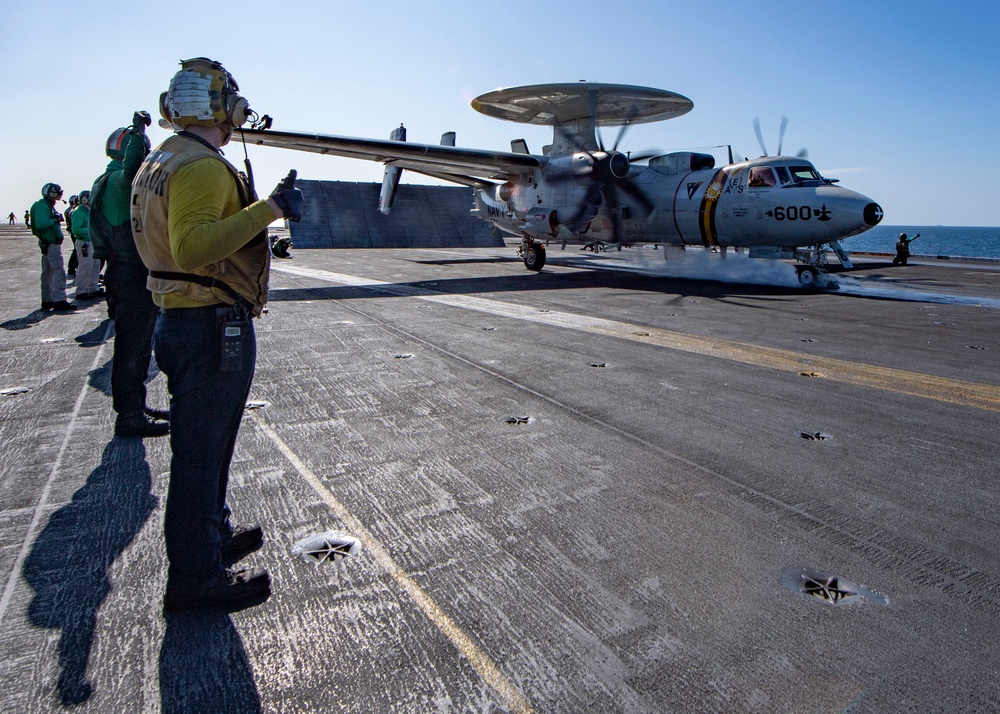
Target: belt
193, 313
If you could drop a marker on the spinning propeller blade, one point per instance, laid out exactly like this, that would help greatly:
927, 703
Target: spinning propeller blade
631, 114
608, 171
760, 137
802, 154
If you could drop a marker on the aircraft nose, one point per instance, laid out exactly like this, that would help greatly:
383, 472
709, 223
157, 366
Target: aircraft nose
873, 214
851, 211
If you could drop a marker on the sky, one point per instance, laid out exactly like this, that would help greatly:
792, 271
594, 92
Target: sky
898, 100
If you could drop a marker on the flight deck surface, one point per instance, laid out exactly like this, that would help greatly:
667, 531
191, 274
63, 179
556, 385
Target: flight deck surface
594, 488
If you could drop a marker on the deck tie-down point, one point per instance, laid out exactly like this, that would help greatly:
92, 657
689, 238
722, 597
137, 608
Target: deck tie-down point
828, 587
326, 547
519, 420
815, 436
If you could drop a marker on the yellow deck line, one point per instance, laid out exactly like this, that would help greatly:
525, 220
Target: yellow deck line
917, 384
487, 669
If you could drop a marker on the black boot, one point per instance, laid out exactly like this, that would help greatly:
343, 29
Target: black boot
230, 590
240, 541
138, 424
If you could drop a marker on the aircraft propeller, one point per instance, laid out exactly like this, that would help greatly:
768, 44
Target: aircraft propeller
607, 173
802, 153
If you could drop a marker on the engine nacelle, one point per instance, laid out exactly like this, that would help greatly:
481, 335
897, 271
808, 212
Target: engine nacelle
505, 191
682, 162
541, 221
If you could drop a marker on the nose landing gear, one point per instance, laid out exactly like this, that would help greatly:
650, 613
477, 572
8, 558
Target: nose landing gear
815, 278
812, 272
807, 275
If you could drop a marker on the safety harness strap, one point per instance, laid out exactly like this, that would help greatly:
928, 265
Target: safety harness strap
207, 282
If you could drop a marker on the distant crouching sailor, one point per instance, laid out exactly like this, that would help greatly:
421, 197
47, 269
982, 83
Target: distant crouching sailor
903, 249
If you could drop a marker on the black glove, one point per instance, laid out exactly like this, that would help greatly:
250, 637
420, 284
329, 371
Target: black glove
289, 199
140, 120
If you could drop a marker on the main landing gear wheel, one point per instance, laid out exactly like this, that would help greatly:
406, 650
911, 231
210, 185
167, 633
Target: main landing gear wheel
807, 277
533, 255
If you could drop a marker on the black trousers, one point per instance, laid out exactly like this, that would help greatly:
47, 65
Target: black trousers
206, 409
131, 306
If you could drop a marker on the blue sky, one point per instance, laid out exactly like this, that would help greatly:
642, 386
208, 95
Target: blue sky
898, 100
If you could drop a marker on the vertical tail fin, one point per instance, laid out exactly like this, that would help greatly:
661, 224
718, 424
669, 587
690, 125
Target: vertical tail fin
390, 180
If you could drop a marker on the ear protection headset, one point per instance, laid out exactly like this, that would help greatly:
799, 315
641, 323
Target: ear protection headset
203, 93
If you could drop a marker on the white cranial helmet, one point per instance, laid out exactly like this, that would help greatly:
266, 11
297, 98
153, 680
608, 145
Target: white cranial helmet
203, 93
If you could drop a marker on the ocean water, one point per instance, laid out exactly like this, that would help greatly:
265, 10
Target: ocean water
952, 241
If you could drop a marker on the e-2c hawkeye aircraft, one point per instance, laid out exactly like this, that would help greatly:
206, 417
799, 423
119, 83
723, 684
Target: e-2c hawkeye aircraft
581, 191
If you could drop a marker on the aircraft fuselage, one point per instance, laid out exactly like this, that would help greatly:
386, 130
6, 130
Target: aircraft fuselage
771, 201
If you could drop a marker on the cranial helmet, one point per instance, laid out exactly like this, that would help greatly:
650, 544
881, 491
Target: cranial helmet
52, 188
902, 235
115, 146
84, 196
203, 93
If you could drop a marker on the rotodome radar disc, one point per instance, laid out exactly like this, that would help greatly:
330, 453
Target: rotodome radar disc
551, 104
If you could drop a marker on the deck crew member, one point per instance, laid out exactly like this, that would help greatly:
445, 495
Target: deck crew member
202, 234
45, 220
903, 249
87, 266
129, 303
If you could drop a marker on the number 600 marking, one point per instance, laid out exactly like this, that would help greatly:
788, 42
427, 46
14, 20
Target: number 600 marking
793, 213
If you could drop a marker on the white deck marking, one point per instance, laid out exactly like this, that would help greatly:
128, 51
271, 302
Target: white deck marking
43, 500
944, 389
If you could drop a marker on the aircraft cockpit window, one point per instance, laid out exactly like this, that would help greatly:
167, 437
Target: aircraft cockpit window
802, 174
783, 176
761, 176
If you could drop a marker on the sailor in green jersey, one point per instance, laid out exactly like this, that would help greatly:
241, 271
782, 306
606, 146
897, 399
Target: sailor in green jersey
129, 303
88, 267
45, 220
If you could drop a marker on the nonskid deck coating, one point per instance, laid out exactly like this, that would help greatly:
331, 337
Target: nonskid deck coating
621, 550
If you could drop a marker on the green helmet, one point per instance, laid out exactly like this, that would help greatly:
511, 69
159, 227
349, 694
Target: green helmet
115, 146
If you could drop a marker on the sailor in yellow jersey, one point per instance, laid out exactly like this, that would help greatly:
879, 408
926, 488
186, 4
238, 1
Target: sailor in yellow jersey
202, 233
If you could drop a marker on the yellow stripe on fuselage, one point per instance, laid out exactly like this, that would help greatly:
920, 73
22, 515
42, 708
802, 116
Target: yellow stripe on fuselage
706, 217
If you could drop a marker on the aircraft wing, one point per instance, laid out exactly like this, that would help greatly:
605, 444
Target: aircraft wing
469, 167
